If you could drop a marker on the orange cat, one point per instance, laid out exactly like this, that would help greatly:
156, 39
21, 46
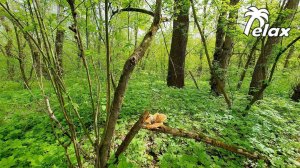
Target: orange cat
155, 121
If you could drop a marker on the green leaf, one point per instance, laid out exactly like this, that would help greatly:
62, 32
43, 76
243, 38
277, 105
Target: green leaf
8, 162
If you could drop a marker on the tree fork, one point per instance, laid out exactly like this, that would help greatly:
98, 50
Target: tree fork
129, 66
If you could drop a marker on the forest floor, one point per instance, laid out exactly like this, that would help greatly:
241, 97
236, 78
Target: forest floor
271, 127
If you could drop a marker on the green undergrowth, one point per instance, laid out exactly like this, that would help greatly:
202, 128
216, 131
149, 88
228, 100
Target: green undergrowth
271, 126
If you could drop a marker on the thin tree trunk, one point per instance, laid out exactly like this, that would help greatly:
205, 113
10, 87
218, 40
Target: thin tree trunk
8, 50
21, 59
203, 39
35, 56
131, 134
261, 68
203, 27
178, 46
223, 48
240, 62
37, 61
249, 59
59, 42
129, 66
87, 33
136, 30
288, 57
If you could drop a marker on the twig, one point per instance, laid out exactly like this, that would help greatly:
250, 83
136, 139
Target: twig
195, 82
113, 81
53, 118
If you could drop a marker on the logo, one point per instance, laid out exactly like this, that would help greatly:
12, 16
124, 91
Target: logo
262, 15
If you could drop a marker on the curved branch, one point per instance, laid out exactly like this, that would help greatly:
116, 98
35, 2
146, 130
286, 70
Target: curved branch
130, 9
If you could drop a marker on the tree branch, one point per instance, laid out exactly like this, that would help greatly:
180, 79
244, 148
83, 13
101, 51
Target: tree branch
130, 135
130, 9
266, 84
53, 117
208, 140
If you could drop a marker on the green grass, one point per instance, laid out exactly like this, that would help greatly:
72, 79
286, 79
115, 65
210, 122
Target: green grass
271, 128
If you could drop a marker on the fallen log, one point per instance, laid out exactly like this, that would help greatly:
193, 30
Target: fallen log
211, 141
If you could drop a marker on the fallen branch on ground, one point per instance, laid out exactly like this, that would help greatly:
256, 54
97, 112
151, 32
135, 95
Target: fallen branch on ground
130, 135
201, 137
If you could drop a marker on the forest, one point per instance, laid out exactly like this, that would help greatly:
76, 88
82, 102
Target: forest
150, 83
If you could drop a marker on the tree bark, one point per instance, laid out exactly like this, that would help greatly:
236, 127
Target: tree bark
59, 42
178, 46
288, 57
223, 47
261, 68
35, 56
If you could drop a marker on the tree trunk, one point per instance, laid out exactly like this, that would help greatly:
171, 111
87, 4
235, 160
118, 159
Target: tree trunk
21, 59
261, 68
59, 42
288, 57
223, 48
249, 60
203, 27
296, 95
37, 60
8, 50
35, 56
178, 46
129, 66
